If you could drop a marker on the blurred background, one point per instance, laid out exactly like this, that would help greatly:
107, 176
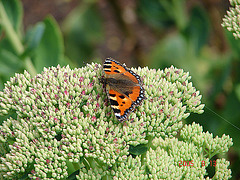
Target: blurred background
157, 33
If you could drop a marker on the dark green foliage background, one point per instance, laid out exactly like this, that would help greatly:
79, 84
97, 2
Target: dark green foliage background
162, 33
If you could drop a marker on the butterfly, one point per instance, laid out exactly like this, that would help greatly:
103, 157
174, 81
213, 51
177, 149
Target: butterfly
124, 88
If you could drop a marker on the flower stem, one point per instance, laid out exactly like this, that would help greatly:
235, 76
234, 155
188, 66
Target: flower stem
149, 144
15, 40
10, 32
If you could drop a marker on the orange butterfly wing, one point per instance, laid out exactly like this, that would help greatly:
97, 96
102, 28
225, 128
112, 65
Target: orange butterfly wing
125, 90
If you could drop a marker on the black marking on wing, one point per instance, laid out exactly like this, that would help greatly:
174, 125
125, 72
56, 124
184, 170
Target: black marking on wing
116, 110
112, 95
117, 71
113, 102
127, 93
107, 66
122, 97
108, 61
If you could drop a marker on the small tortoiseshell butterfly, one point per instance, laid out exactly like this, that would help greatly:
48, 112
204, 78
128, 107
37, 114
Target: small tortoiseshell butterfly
124, 87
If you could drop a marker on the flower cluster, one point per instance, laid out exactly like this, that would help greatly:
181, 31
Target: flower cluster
232, 19
188, 158
171, 159
59, 124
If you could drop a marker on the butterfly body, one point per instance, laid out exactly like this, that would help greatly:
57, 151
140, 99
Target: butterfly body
124, 87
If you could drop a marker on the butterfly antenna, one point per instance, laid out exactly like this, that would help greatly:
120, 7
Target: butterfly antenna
223, 118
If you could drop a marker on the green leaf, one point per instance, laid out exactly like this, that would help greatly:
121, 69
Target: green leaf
73, 175
197, 31
162, 53
5, 43
237, 90
49, 52
138, 150
163, 13
24, 176
11, 114
154, 13
1, 88
33, 38
234, 43
230, 119
9, 63
83, 31
14, 12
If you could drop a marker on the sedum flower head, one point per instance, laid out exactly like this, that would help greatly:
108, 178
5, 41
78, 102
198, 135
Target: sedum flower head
187, 159
232, 20
59, 124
